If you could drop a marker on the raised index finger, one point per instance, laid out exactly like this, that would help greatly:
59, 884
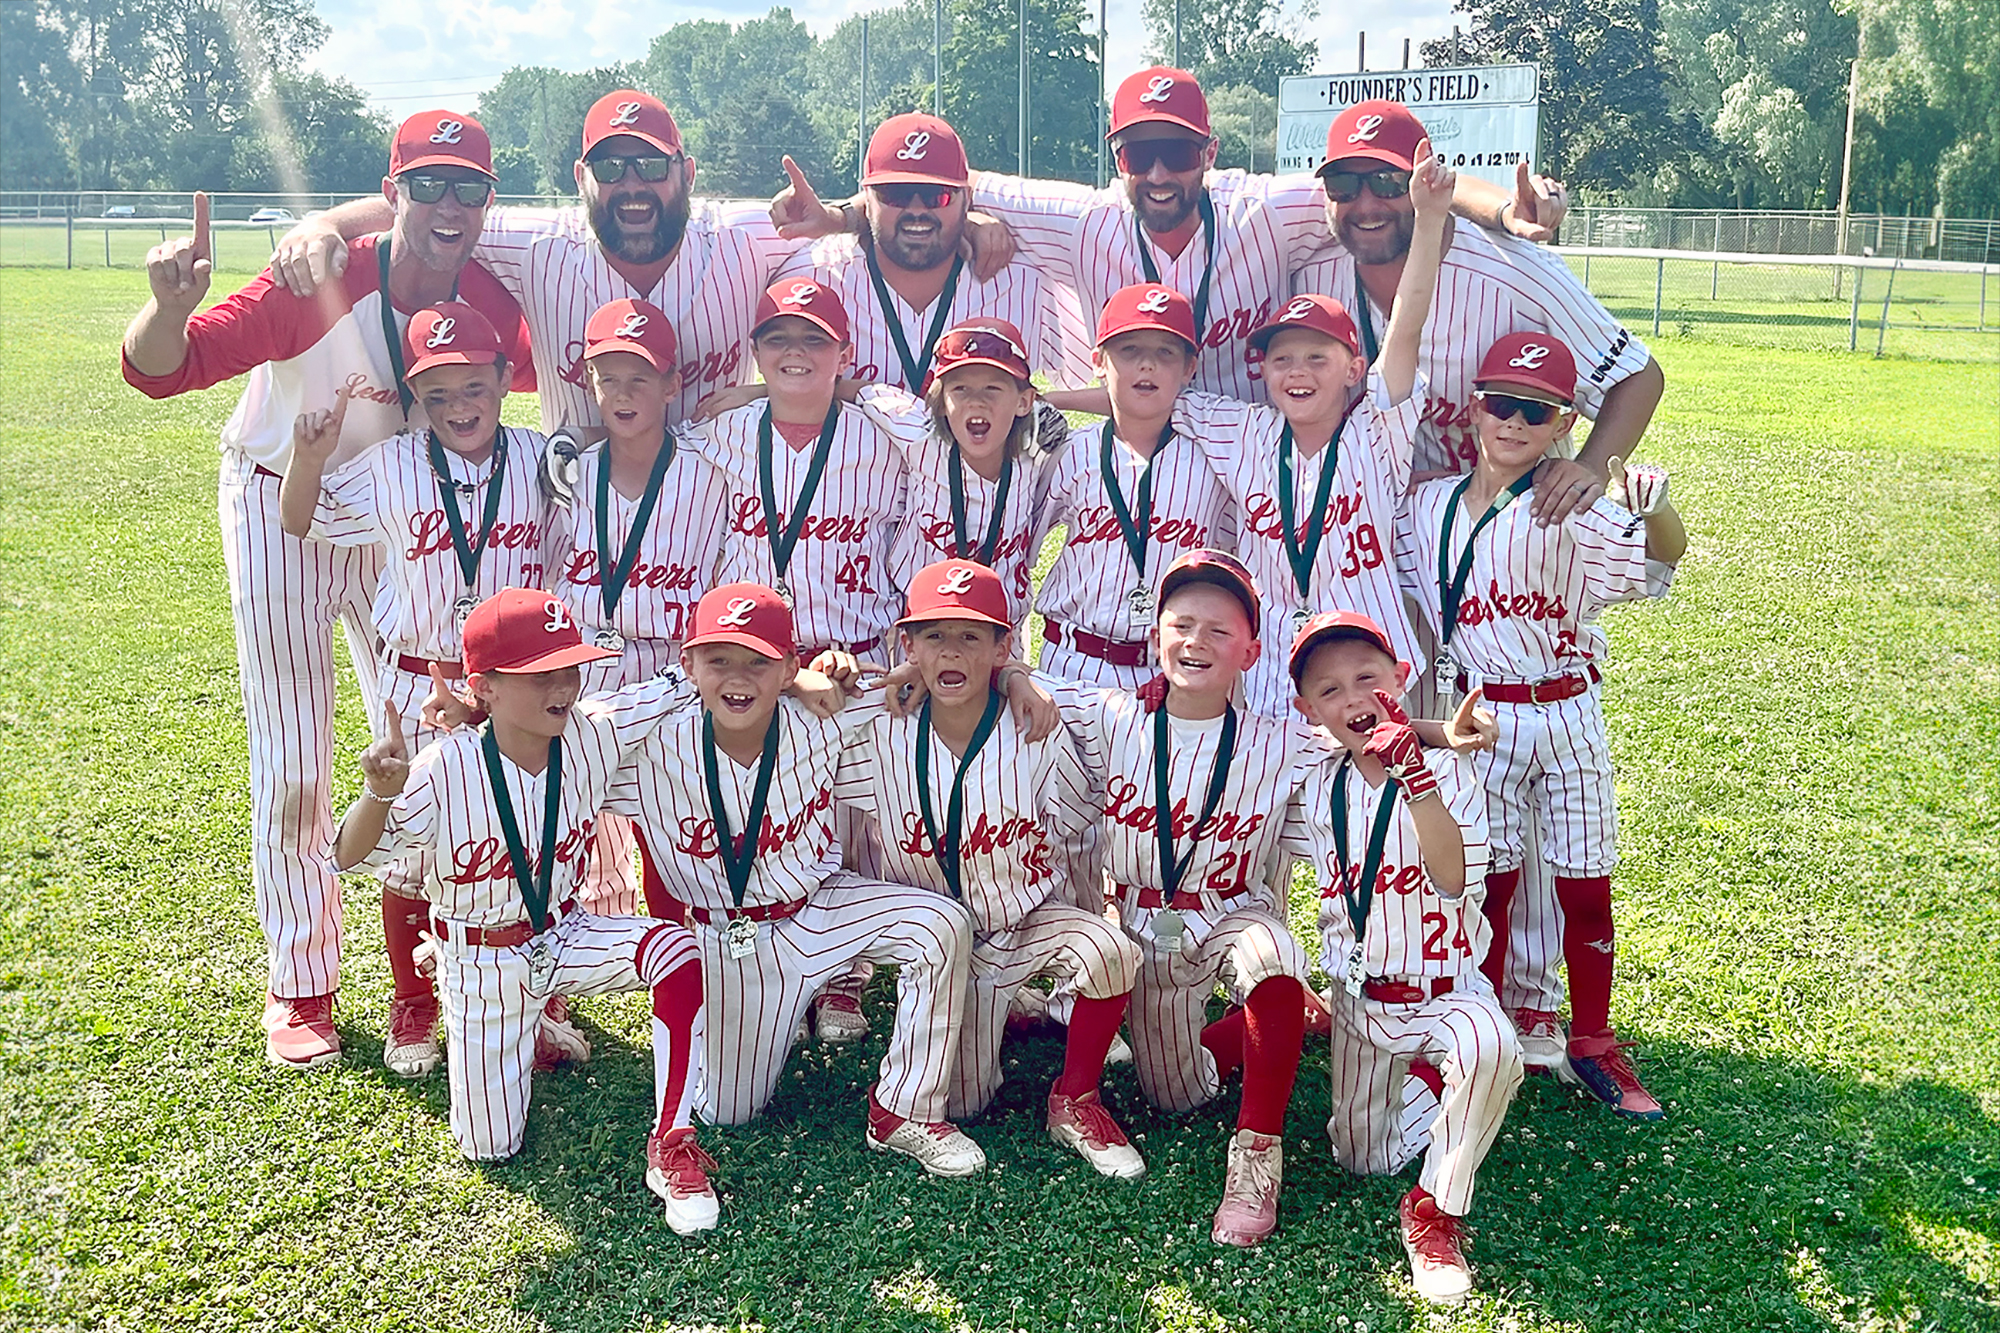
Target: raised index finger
201, 247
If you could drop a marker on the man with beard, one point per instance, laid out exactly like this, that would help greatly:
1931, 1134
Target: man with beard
904, 279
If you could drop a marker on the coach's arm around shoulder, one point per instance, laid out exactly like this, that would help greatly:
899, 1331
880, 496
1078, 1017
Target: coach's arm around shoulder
178, 271
315, 250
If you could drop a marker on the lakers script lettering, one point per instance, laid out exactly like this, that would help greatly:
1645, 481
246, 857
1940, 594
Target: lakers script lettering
695, 836
1125, 804
1498, 605
430, 535
748, 521
486, 859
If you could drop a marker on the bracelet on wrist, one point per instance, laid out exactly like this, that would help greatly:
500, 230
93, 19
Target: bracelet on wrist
373, 797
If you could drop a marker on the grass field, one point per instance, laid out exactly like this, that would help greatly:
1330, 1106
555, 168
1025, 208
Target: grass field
1810, 788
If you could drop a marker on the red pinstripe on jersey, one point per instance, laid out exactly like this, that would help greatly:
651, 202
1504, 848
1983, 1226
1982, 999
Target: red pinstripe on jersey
551, 261
1490, 285
1266, 227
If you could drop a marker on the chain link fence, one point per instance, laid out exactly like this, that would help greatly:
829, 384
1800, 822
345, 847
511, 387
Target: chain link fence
1954, 240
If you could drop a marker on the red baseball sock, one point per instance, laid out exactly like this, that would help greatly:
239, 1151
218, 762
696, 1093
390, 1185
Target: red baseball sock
1091, 1027
676, 1002
1274, 1035
1500, 887
1588, 943
403, 922
1224, 1040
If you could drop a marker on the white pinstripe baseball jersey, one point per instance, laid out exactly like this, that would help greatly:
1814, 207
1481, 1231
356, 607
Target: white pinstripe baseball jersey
1489, 285
676, 558
664, 791
1089, 585
1027, 806
1413, 930
1533, 596
1057, 347
1355, 568
447, 809
927, 534
839, 572
1265, 228
551, 261
390, 497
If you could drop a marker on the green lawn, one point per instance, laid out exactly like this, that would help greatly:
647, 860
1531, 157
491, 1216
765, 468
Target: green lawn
1810, 785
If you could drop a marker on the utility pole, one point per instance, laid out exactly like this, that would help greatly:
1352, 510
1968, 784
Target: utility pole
1101, 149
861, 114
1847, 152
1177, 36
1360, 53
937, 58
1024, 89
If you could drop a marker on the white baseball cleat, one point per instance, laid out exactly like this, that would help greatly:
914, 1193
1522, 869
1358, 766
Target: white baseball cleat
1249, 1210
1120, 1052
558, 1041
411, 1048
299, 1032
1544, 1045
1082, 1123
838, 1019
938, 1146
677, 1170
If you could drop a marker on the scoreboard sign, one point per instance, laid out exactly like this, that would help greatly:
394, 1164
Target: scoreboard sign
1483, 118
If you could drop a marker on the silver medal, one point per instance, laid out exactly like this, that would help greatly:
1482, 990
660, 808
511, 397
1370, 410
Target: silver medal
1354, 976
1169, 929
784, 591
541, 965
1445, 678
1142, 604
1299, 619
741, 936
610, 640
463, 607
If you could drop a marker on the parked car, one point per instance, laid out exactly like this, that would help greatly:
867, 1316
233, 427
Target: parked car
273, 215
121, 211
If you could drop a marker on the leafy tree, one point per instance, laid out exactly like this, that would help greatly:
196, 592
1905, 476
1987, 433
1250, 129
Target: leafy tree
1246, 127
542, 110
320, 136
740, 145
1249, 43
38, 85
982, 77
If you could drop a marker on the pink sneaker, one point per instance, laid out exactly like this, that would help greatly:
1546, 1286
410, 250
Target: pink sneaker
558, 1041
1436, 1248
677, 1170
411, 1048
298, 1031
1249, 1210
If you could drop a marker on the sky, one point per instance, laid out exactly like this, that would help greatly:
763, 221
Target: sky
411, 57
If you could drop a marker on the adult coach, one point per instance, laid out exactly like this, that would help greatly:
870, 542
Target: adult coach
339, 349
904, 279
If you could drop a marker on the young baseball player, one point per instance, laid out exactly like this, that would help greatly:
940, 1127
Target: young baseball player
1514, 605
963, 804
735, 801
502, 815
1131, 499
458, 512
1397, 837
637, 541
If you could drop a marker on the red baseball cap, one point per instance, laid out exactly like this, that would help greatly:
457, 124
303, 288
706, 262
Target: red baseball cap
1223, 570
748, 614
980, 342
1160, 94
957, 590
1330, 625
638, 327
1383, 131
1147, 305
1322, 314
441, 138
1536, 362
916, 146
450, 333
805, 298
629, 111
522, 631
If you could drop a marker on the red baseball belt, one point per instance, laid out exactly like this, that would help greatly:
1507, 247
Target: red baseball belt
1118, 652
495, 937
680, 913
421, 666
1398, 990
1184, 900
263, 471
1551, 691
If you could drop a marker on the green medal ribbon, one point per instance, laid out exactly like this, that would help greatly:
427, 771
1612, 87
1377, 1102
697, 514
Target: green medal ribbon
1207, 210
1364, 318
1163, 810
469, 551
1361, 897
738, 852
961, 547
1134, 531
1301, 554
913, 370
611, 579
945, 847
534, 881
1451, 586
390, 335
783, 542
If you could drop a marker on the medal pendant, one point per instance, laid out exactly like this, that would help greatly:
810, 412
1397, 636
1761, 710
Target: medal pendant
541, 965
784, 591
610, 640
741, 936
1169, 929
1354, 976
1445, 678
1141, 603
462, 608
1299, 619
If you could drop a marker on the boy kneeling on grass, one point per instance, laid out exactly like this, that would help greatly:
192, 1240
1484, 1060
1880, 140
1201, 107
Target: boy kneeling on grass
1397, 838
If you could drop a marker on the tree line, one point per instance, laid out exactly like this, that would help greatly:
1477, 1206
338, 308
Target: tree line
1677, 103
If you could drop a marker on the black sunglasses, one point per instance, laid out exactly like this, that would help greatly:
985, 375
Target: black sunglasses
1503, 406
1344, 187
654, 167
430, 189
1136, 159
906, 194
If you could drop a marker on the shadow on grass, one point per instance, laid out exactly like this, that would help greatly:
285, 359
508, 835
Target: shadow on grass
1774, 1196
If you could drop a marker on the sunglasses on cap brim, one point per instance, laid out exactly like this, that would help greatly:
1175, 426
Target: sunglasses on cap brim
1136, 159
1503, 406
430, 189
652, 168
962, 343
1344, 187
910, 194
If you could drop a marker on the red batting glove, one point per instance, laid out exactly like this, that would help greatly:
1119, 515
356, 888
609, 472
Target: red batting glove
1153, 693
1394, 742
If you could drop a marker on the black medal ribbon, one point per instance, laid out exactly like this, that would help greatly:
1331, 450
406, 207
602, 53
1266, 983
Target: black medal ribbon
1301, 553
961, 546
467, 550
1134, 528
1163, 810
611, 579
390, 334
1362, 316
1451, 586
1207, 210
914, 369
1360, 897
945, 846
738, 851
534, 880
782, 543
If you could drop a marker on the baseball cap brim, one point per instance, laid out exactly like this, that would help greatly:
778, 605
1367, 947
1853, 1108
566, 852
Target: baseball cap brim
443, 160
432, 361
742, 639
906, 176
945, 613
624, 345
1540, 393
1261, 336
1325, 634
1216, 576
817, 321
1009, 368
1386, 156
1159, 118
1133, 325
575, 654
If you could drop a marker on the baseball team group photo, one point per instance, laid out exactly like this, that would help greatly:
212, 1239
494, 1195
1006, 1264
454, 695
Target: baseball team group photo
988, 685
